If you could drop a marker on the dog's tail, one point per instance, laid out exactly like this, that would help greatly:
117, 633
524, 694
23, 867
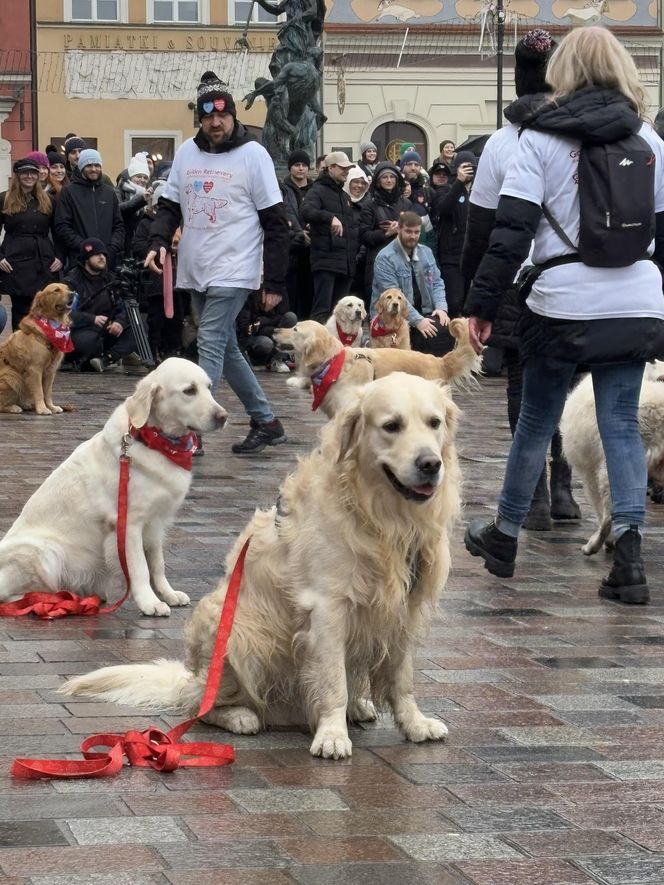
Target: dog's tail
160, 685
461, 364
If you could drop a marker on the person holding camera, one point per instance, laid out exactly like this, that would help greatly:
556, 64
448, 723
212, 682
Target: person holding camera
100, 330
449, 213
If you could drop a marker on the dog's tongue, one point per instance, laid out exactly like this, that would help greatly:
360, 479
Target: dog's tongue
426, 489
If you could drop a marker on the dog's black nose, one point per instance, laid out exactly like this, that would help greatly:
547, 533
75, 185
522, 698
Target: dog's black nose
429, 464
358, 314
221, 418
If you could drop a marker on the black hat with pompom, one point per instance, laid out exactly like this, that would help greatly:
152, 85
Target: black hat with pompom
532, 54
213, 95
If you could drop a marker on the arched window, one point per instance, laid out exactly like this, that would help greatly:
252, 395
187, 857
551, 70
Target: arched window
389, 137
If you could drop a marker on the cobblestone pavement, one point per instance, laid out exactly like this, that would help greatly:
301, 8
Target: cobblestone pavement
554, 768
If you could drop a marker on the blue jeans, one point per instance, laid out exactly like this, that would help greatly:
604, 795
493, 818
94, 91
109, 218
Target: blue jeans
218, 351
3, 318
545, 385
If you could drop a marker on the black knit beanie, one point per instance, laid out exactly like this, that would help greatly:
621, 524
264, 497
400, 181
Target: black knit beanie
532, 54
299, 157
213, 95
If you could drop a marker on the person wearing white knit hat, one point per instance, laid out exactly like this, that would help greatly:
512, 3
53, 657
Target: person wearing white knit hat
138, 168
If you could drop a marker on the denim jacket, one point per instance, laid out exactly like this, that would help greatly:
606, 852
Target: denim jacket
392, 269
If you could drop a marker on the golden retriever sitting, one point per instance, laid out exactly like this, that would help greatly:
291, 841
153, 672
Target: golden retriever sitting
65, 536
582, 447
341, 577
389, 328
31, 356
319, 355
346, 320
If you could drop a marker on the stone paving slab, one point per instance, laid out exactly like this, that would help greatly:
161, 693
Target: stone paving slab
552, 774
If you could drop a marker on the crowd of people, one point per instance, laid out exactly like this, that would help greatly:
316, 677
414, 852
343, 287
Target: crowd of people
255, 254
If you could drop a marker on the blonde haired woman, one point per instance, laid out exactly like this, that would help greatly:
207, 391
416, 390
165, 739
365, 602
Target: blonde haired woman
27, 255
610, 318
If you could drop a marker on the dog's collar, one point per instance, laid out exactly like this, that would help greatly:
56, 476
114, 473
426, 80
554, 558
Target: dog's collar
325, 377
379, 330
178, 449
346, 338
57, 334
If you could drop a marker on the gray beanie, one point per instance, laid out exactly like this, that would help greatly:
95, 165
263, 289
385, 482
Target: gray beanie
367, 146
88, 157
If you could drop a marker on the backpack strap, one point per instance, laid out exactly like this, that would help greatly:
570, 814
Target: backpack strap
557, 228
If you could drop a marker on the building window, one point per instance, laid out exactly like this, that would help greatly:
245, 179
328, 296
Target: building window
241, 9
179, 11
159, 144
95, 10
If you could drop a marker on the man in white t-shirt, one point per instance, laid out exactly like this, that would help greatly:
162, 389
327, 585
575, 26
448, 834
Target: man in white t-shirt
224, 190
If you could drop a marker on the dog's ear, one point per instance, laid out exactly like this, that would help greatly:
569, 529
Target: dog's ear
363, 311
139, 404
452, 411
348, 427
404, 307
38, 302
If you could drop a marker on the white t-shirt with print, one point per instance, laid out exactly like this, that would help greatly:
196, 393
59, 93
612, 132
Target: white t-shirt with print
545, 171
220, 195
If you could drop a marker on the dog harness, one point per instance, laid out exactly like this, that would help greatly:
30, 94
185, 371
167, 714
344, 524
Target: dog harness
325, 377
346, 338
379, 330
178, 449
57, 334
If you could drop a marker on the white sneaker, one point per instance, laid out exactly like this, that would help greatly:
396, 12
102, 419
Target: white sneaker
278, 366
97, 364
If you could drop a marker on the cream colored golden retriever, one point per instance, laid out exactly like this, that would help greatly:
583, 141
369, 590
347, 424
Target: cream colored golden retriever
389, 328
29, 361
582, 447
65, 536
340, 580
314, 348
346, 320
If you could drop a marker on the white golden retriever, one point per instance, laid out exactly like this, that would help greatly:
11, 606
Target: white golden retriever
583, 447
65, 536
346, 320
341, 578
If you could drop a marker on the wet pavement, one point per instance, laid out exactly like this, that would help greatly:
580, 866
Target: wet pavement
553, 771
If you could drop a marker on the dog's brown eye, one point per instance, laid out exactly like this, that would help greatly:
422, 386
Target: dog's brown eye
435, 423
189, 391
392, 426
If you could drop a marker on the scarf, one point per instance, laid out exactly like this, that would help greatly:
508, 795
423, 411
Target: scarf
346, 338
179, 449
57, 334
325, 377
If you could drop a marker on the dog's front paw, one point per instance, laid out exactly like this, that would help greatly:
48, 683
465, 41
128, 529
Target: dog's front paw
13, 410
298, 382
55, 410
42, 410
180, 598
331, 743
155, 608
592, 545
362, 710
423, 729
172, 597
238, 720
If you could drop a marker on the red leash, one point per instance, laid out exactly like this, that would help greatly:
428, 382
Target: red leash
59, 605
152, 748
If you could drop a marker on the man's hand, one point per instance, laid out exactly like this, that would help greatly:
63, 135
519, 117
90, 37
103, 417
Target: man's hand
391, 229
465, 172
479, 332
336, 227
55, 265
6, 266
114, 329
270, 300
100, 320
442, 317
150, 260
427, 327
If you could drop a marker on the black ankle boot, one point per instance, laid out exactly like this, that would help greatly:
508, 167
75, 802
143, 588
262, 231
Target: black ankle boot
497, 549
563, 505
539, 515
626, 582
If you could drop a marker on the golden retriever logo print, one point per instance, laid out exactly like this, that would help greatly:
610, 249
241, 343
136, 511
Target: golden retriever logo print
200, 201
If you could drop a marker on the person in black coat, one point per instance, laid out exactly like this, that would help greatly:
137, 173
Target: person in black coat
28, 259
380, 215
89, 208
334, 235
299, 282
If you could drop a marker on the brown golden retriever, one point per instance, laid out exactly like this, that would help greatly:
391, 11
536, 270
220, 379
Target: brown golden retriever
389, 328
340, 581
31, 356
314, 349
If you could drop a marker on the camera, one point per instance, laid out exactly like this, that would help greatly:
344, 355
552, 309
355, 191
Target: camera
126, 287
128, 278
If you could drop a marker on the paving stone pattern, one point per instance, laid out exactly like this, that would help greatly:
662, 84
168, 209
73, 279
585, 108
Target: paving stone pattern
553, 773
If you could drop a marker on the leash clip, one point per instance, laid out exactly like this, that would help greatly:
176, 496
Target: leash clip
125, 444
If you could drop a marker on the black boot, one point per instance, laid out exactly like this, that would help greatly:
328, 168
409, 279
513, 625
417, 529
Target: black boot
539, 515
563, 505
497, 549
626, 582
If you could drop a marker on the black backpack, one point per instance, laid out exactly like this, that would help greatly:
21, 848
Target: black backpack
616, 203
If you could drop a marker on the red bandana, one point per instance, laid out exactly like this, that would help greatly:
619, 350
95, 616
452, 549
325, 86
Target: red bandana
179, 449
346, 338
57, 334
378, 330
325, 377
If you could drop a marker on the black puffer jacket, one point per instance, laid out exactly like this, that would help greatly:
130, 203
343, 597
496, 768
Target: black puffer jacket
326, 200
293, 199
380, 206
29, 249
88, 209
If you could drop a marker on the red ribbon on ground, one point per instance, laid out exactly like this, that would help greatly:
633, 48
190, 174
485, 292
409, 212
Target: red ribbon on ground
153, 748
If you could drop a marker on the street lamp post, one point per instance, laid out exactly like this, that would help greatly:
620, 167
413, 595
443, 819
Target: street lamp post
500, 39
